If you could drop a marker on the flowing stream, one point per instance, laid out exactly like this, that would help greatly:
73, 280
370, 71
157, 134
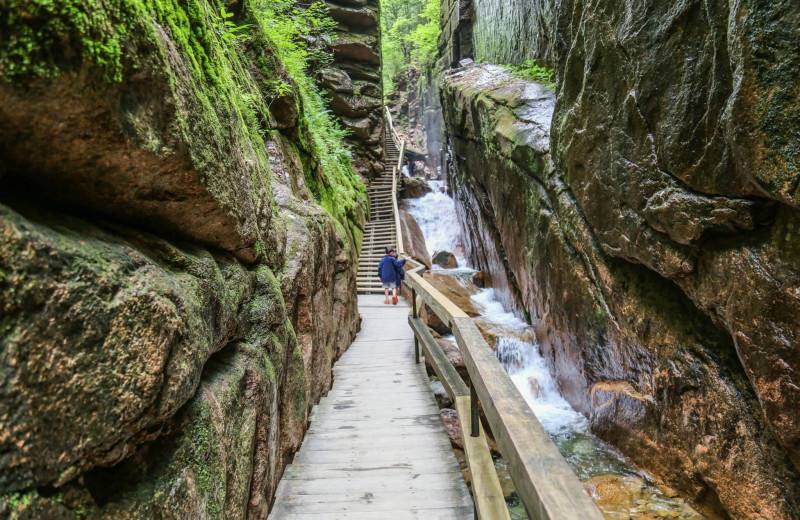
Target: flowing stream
620, 490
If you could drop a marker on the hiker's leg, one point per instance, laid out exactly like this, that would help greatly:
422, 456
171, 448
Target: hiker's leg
386, 292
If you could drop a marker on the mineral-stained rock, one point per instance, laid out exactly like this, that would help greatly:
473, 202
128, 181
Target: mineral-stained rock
660, 296
413, 239
445, 259
152, 150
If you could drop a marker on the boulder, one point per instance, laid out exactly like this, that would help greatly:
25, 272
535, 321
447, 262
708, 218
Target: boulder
456, 289
442, 399
413, 239
479, 279
414, 188
445, 259
450, 349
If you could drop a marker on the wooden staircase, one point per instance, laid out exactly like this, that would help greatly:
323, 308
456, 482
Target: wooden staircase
380, 229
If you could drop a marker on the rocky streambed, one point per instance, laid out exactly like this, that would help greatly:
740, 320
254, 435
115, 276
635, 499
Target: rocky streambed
619, 489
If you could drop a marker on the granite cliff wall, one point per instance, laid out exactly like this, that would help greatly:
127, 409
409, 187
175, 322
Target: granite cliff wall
657, 255
172, 296
353, 80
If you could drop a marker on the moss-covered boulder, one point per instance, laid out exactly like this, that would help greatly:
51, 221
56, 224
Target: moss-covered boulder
177, 266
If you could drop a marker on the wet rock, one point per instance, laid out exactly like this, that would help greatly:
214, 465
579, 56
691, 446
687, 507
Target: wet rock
442, 399
616, 491
445, 259
457, 290
413, 239
642, 282
414, 188
452, 426
492, 332
479, 279
506, 483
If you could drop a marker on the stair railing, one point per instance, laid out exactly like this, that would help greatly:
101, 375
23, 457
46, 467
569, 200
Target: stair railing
401, 146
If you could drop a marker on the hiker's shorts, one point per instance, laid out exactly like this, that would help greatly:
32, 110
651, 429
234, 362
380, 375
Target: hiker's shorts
389, 286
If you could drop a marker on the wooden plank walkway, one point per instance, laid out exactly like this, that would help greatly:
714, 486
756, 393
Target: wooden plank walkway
377, 448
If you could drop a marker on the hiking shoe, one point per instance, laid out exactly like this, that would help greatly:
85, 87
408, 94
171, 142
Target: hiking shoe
394, 300
386, 302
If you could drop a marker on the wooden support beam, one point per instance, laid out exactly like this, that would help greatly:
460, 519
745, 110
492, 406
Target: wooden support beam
486, 490
452, 382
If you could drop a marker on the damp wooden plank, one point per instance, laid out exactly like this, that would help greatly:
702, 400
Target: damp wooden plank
376, 447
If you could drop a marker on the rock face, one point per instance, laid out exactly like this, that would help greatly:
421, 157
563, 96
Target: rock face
413, 239
445, 259
660, 294
353, 80
173, 297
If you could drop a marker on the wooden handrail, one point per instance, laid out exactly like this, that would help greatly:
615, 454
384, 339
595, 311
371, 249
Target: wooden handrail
395, 136
545, 483
396, 211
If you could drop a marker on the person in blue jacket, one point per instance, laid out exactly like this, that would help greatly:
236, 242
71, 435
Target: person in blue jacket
387, 272
401, 273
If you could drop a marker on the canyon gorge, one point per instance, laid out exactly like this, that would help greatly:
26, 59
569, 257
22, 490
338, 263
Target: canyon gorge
184, 203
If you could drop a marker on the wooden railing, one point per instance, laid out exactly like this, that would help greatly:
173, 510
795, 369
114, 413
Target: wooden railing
401, 146
544, 482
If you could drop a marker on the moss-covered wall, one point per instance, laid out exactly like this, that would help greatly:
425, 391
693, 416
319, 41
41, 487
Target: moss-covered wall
178, 256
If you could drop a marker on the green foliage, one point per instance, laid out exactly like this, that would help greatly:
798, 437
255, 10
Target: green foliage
532, 71
410, 32
335, 185
229, 31
37, 35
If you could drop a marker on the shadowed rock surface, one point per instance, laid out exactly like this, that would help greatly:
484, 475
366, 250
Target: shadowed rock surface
654, 355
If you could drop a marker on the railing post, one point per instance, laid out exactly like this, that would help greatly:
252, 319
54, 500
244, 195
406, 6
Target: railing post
473, 404
414, 301
416, 349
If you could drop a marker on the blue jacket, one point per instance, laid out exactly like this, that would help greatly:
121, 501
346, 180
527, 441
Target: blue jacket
387, 269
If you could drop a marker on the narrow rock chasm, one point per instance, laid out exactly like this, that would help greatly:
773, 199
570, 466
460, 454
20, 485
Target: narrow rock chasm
183, 206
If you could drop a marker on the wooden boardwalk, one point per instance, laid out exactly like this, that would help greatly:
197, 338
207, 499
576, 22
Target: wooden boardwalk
377, 448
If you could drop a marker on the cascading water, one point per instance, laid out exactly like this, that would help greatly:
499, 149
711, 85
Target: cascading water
436, 215
594, 461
